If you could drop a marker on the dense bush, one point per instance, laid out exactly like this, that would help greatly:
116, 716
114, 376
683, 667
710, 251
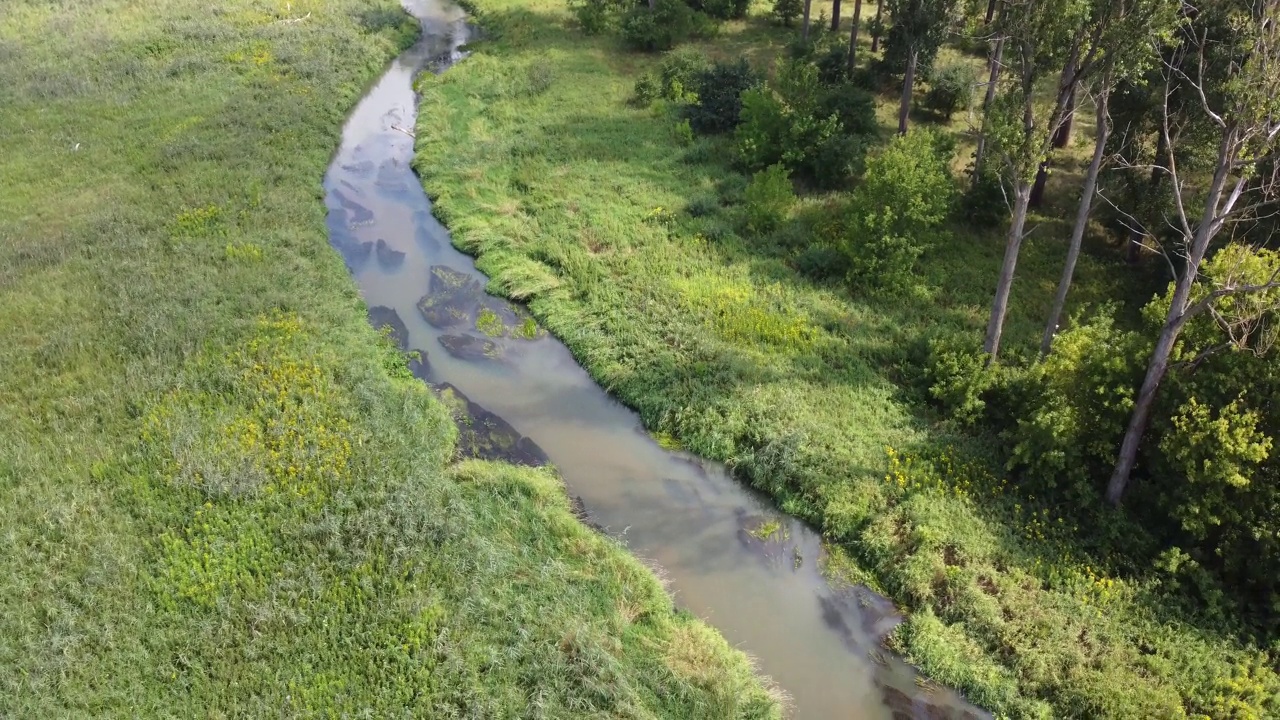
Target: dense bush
678, 73
854, 107
897, 209
786, 11
646, 91
798, 123
719, 91
769, 198
668, 23
722, 9
597, 16
984, 204
950, 89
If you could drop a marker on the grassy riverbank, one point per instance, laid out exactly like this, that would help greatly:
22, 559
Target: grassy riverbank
626, 240
220, 493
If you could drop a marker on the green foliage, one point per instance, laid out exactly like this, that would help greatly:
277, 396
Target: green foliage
719, 90
596, 17
1216, 451
769, 198
984, 204
679, 73
786, 11
722, 9
662, 28
646, 91
919, 27
1077, 405
897, 209
797, 121
950, 89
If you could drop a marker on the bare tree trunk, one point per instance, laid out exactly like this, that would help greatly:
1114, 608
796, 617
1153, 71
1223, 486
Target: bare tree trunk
1062, 138
1000, 306
1062, 135
997, 52
808, 5
653, 5
908, 82
875, 36
1174, 321
991, 12
1082, 220
853, 34
835, 15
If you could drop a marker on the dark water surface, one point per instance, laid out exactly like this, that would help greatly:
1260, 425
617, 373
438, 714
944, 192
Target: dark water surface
534, 403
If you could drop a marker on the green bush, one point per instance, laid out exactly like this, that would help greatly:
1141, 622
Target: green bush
719, 89
596, 16
722, 9
667, 24
796, 123
679, 72
854, 107
950, 89
646, 91
769, 198
984, 204
786, 11
1078, 404
897, 210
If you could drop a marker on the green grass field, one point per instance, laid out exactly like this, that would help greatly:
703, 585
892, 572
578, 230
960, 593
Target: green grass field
221, 494
627, 242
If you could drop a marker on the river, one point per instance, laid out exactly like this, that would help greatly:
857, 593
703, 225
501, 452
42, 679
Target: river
728, 554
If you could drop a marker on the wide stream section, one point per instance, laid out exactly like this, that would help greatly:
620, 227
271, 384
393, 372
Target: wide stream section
729, 555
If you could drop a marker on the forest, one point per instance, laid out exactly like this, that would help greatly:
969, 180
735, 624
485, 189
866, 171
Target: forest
984, 290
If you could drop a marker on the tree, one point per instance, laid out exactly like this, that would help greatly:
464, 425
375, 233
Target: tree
877, 25
1231, 65
835, 15
808, 6
853, 34
1039, 34
1123, 60
919, 27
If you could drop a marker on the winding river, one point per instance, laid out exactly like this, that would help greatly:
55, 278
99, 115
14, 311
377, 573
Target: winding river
729, 555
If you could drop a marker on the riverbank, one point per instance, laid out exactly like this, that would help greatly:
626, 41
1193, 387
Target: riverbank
623, 235
220, 492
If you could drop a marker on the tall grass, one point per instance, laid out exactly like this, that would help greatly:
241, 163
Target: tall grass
635, 250
220, 494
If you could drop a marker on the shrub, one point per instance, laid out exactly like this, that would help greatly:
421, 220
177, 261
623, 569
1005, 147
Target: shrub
679, 71
854, 107
950, 89
722, 9
596, 16
903, 198
769, 198
822, 263
833, 63
786, 11
983, 205
682, 132
646, 91
719, 89
668, 23
1077, 405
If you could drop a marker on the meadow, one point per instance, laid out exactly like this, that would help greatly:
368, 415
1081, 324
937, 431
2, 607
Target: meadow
221, 492
625, 235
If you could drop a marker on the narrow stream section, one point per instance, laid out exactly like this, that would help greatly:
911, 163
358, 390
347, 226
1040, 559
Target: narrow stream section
730, 556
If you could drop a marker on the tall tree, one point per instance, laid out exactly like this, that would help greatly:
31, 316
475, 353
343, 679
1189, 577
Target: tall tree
919, 27
1038, 34
877, 26
835, 15
853, 34
1232, 67
808, 6
1123, 60
993, 79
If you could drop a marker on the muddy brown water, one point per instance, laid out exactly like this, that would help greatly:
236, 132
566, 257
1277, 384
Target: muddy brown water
529, 401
